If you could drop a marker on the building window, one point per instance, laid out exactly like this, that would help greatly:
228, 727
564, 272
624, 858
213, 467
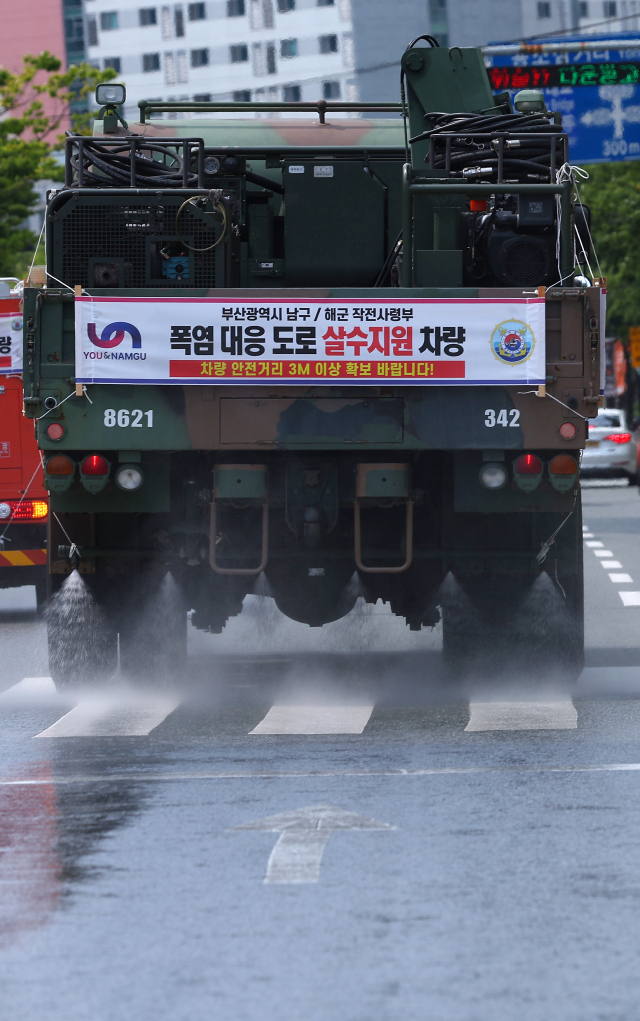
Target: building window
92, 32
328, 44
178, 21
239, 53
202, 97
150, 61
113, 62
236, 8
288, 47
544, 9
262, 15
147, 16
166, 23
331, 90
199, 58
291, 93
325, 3
271, 58
183, 73
242, 96
268, 17
610, 9
197, 12
74, 36
283, 7
108, 20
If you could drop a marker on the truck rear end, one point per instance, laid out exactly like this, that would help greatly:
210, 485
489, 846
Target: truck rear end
313, 353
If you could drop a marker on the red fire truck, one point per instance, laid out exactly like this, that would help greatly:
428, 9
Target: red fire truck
24, 502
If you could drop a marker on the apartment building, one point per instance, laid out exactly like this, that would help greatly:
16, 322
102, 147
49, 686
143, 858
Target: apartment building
593, 17
276, 49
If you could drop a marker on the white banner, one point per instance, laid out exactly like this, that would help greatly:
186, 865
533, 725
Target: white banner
10, 337
432, 341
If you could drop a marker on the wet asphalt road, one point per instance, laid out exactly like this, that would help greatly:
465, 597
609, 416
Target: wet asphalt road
505, 884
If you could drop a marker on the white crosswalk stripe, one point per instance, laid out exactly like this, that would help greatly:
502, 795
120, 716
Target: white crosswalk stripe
318, 719
30, 691
121, 717
560, 715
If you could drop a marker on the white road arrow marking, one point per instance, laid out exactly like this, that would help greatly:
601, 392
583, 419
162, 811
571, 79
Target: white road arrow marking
297, 855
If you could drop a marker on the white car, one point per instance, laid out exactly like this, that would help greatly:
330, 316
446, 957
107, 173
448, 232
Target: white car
611, 448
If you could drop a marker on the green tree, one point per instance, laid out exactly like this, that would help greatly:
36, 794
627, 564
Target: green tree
28, 135
613, 195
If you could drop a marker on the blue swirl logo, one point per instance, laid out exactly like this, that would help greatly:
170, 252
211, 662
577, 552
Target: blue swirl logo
113, 334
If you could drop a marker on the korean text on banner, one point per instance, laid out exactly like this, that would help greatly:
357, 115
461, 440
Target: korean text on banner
430, 341
10, 338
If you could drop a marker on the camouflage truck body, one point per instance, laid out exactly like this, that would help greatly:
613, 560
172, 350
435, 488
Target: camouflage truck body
316, 481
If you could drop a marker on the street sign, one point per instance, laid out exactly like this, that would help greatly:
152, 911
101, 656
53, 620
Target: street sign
553, 75
600, 107
297, 854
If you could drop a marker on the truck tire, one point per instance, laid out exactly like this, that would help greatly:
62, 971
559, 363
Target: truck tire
41, 596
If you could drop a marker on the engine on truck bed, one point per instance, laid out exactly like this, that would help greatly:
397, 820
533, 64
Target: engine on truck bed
353, 355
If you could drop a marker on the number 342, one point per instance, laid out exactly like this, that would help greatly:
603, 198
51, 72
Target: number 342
493, 418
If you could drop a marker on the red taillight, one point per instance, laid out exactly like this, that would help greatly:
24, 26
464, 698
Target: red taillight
55, 431
478, 205
28, 510
619, 437
94, 465
528, 464
568, 431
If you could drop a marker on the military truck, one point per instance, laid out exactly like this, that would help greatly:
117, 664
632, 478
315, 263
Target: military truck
350, 350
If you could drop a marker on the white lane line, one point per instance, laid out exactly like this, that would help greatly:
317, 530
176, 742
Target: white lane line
621, 579
587, 535
609, 564
560, 715
314, 719
630, 598
399, 773
113, 718
594, 545
603, 552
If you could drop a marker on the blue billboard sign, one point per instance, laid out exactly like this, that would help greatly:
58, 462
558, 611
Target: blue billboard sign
602, 121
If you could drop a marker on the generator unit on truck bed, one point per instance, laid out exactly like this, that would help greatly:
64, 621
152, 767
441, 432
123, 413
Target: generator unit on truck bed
316, 350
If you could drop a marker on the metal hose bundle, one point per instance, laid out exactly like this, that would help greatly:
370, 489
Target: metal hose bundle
106, 163
524, 147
